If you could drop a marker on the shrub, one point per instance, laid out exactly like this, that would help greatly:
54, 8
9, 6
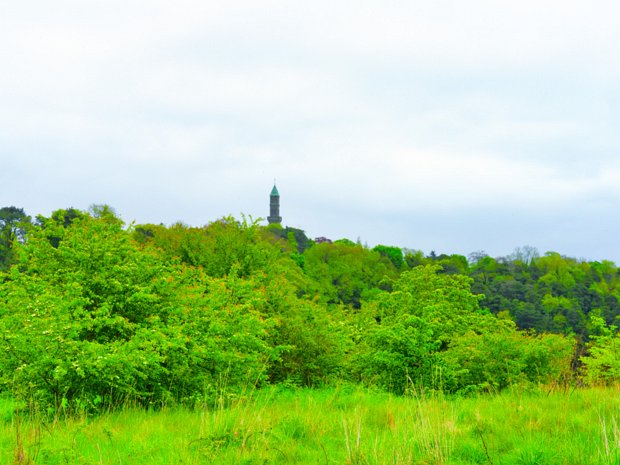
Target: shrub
94, 318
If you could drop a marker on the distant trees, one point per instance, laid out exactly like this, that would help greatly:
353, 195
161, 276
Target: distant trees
394, 254
296, 237
549, 293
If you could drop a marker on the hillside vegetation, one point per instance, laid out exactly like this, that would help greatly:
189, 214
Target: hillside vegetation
96, 314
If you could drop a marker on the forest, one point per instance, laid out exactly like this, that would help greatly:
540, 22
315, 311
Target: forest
95, 313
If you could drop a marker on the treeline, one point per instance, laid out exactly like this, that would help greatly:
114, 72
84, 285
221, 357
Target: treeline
94, 313
549, 293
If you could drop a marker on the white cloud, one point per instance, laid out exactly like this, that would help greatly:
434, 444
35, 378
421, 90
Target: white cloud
368, 114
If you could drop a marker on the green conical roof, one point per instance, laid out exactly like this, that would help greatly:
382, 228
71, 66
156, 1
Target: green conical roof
274, 191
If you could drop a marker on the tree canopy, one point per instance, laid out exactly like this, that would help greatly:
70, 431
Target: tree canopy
96, 312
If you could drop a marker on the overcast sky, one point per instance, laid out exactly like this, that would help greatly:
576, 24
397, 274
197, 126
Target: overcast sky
438, 125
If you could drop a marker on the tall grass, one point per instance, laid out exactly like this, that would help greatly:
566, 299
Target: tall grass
344, 425
610, 447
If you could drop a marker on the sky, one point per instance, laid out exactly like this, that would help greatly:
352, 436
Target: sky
434, 125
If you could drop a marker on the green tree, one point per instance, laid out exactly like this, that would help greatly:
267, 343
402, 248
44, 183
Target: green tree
415, 258
413, 324
218, 247
394, 254
296, 237
346, 273
14, 224
431, 330
602, 363
99, 319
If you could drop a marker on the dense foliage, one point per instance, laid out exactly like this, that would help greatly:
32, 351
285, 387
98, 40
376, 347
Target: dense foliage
95, 313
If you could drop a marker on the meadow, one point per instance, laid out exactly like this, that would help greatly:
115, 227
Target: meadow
137, 344
341, 425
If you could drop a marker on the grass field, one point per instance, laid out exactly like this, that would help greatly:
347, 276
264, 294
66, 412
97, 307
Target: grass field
344, 425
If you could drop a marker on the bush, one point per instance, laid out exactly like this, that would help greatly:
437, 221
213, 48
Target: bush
431, 330
94, 318
602, 365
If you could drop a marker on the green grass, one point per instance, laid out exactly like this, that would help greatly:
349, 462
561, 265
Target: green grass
344, 425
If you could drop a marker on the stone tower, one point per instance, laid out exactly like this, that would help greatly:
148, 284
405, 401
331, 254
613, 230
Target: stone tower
274, 206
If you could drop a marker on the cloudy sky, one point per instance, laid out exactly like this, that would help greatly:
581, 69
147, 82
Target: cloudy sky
436, 125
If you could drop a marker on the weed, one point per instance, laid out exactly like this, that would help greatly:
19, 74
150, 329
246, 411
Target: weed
610, 450
435, 422
353, 438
